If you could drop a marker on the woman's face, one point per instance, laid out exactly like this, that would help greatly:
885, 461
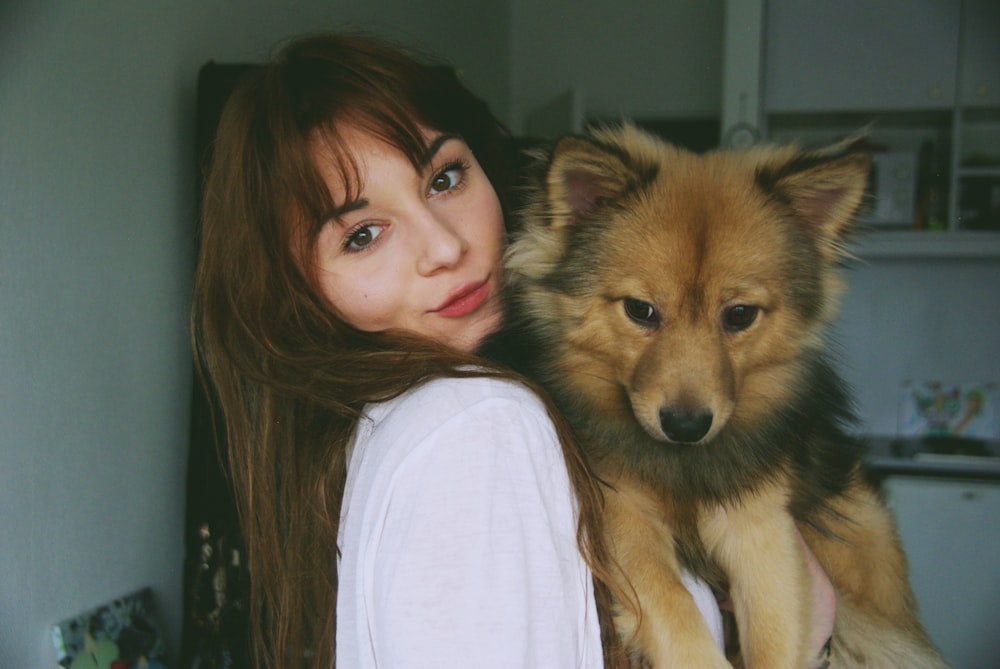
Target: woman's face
419, 249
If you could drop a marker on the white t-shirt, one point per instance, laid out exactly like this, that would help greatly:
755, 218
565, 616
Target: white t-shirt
458, 537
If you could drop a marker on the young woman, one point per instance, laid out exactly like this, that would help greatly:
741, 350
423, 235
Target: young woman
404, 502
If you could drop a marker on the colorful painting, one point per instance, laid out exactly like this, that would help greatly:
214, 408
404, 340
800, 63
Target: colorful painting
122, 634
936, 409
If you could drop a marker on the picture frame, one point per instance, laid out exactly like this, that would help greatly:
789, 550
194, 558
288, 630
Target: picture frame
940, 409
121, 634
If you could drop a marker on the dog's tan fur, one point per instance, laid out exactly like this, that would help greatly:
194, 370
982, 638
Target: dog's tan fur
621, 226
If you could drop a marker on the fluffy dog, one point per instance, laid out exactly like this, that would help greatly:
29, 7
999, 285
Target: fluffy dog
675, 305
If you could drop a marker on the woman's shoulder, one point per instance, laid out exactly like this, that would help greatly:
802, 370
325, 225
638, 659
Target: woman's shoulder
456, 413
453, 396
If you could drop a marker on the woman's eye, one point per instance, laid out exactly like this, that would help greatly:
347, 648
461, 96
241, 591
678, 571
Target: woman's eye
362, 236
739, 317
641, 312
446, 179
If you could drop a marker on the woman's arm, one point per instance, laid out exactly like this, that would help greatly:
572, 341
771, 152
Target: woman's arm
824, 610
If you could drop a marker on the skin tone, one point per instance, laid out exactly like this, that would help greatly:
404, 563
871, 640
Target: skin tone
824, 602
419, 249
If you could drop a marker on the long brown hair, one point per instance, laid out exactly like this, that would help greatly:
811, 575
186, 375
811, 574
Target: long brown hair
287, 375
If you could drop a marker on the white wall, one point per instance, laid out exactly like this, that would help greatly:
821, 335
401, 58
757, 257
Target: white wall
919, 320
647, 58
96, 204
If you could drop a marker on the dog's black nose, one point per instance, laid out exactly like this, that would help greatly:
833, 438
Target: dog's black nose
684, 426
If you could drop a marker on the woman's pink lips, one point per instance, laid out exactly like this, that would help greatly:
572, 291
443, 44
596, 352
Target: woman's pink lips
465, 301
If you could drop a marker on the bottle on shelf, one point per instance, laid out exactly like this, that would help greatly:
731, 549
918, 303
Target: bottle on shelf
932, 188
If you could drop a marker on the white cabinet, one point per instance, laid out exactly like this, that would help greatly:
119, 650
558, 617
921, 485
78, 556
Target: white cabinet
860, 55
950, 530
922, 78
980, 54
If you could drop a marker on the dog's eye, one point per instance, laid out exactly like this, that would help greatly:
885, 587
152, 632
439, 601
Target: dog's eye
739, 317
641, 312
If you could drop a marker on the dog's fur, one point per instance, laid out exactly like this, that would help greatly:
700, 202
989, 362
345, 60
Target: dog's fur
675, 305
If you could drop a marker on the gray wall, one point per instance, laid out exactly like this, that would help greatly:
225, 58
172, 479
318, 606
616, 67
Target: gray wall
96, 214
645, 58
920, 320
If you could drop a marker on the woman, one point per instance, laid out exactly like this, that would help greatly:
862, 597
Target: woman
349, 268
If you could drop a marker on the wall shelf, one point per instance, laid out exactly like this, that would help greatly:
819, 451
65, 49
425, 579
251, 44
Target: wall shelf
945, 245
933, 100
979, 172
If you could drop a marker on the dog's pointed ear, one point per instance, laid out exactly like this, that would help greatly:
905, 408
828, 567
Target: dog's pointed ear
583, 176
823, 188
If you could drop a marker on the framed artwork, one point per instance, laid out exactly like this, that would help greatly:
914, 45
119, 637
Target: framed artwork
937, 409
121, 634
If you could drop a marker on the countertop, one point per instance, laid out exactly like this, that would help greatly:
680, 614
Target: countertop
933, 456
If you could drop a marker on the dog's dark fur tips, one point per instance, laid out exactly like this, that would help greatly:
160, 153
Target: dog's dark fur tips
824, 191
585, 175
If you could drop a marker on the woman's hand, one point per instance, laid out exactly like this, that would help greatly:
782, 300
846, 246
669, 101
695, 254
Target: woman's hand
824, 610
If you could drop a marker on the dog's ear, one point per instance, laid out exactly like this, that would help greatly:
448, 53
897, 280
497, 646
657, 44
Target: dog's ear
824, 189
583, 176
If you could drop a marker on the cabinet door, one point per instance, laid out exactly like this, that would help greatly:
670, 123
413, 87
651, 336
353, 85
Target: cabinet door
980, 53
951, 535
860, 55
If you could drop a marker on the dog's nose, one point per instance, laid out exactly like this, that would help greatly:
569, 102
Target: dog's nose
685, 426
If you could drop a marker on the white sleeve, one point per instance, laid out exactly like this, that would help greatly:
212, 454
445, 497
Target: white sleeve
476, 563
705, 600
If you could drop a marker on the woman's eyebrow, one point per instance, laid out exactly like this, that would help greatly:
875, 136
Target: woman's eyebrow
436, 145
428, 157
348, 207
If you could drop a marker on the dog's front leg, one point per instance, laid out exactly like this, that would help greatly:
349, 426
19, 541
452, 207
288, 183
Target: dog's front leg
668, 629
756, 543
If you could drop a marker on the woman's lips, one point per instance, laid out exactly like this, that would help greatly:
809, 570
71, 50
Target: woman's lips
465, 300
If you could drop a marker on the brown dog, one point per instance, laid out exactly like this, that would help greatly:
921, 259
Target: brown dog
675, 307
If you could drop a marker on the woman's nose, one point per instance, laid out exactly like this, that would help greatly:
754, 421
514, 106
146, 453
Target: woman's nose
441, 246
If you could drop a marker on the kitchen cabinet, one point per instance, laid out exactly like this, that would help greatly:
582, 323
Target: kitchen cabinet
950, 533
860, 55
980, 54
921, 80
